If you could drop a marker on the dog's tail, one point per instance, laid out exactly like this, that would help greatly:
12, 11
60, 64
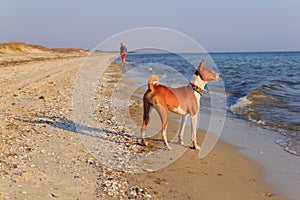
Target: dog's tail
153, 81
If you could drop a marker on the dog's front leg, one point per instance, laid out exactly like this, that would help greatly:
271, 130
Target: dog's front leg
194, 131
181, 129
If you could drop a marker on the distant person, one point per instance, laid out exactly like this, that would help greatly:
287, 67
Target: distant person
123, 52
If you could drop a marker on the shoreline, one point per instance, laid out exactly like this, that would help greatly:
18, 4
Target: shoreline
258, 144
247, 169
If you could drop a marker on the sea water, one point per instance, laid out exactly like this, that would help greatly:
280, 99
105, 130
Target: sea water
265, 89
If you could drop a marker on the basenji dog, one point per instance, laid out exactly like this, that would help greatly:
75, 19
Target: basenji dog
183, 101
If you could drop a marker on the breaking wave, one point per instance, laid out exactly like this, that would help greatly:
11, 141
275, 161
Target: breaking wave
267, 107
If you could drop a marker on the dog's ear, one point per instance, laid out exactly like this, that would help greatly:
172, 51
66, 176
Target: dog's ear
201, 66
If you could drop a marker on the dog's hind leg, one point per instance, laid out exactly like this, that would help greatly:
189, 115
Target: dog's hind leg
146, 119
181, 129
194, 131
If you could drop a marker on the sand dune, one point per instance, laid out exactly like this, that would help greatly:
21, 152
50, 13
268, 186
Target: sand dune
23, 48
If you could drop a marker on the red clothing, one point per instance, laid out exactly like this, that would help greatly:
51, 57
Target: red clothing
123, 55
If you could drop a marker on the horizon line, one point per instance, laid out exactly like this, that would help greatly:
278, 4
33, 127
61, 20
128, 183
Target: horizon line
213, 51
186, 52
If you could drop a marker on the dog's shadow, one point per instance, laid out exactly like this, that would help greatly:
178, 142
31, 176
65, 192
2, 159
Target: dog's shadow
96, 133
68, 125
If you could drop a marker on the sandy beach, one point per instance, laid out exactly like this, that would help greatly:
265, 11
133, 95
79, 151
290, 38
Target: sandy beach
42, 155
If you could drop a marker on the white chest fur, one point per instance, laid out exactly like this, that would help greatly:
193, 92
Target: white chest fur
198, 96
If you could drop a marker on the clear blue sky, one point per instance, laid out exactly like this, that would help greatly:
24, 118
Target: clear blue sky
218, 25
